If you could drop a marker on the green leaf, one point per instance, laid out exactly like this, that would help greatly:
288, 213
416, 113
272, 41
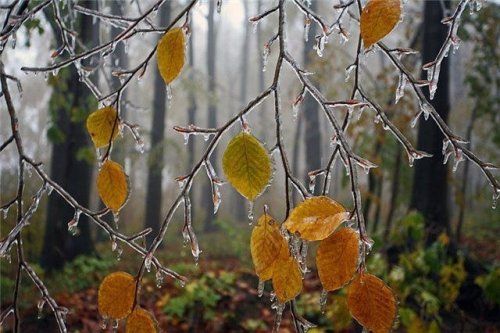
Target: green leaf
247, 165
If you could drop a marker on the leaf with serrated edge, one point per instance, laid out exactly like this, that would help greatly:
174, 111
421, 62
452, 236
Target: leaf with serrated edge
337, 258
112, 185
141, 321
102, 126
247, 165
372, 303
171, 54
116, 295
378, 18
316, 218
287, 277
265, 244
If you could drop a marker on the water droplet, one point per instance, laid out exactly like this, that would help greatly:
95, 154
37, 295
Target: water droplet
5, 211
119, 251
260, 288
219, 6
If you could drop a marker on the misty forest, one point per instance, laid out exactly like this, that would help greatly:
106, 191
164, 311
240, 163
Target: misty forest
249, 166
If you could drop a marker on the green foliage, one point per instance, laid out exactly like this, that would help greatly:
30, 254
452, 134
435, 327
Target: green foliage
207, 291
83, 272
490, 283
235, 240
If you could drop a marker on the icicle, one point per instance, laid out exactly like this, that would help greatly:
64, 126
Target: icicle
368, 244
116, 218
49, 188
433, 78
446, 142
104, 323
139, 145
73, 224
119, 252
255, 23
496, 196
348, 72
279, 314
312, 182
415, 120
426, 109
219, 6
206, 136
320, 45
323, 299
250, 212
217, 198
186, 138
265, 56
5, 211
114, 324
416, 155
307, 25
148, 261
159, 278
400, 91
446, 157
260, 288
114, 243
328, 182
40, 305
459, 157
169, 93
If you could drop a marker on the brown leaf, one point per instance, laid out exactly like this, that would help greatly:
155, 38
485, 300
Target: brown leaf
372, 303
337, 258
378, 18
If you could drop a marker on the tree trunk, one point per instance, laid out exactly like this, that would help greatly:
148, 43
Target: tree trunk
394, 194
463, 187
156, 154
69, 139
312, 137
192, 120
239, 200
208, 224
430, 185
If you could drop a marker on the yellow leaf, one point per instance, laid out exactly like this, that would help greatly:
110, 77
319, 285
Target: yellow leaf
337, 258
378, 18
116, 295
141, 321
372, 303
316, 218
287, 278
102, 126
171, 54
247, 165
265, 245
112, 185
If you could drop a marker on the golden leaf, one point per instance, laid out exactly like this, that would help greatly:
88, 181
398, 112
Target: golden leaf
287, 278
112, 185
247, 165
171, 54
141, 321
372, 303
116, 295
337, 258
316, 218
102, 126
265, 245
378, 18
